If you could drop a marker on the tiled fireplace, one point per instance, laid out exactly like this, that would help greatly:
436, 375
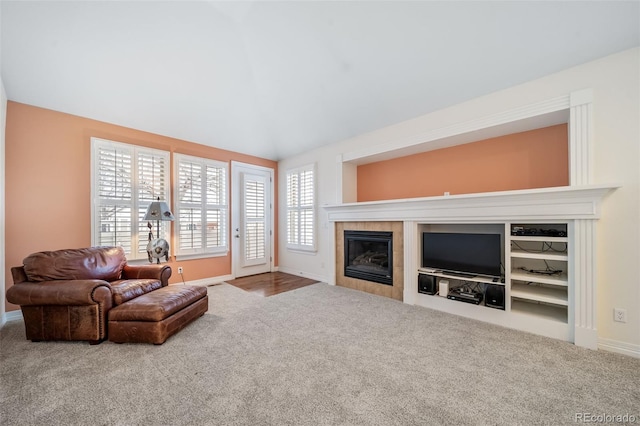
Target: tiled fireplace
372, 259
368, 255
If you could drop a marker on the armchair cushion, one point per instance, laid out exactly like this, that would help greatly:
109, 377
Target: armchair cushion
155, 271
102, 263
124, 290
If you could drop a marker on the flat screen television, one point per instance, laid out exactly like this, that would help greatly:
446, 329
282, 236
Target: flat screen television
476, 254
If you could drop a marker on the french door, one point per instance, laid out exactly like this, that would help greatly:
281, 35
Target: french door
252, 219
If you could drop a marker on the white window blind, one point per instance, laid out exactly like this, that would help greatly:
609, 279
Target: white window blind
201, 206
255, 215
125, 179
301, 208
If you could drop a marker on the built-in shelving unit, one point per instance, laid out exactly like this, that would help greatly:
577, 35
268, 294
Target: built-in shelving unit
539, 279
536, 280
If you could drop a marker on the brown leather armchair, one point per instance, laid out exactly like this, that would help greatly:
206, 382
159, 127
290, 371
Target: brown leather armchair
67, 294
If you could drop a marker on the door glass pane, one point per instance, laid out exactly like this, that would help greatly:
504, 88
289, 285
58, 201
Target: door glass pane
254, 219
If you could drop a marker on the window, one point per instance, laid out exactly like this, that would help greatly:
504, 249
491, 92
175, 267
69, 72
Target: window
201, 208
125, 180
301, 208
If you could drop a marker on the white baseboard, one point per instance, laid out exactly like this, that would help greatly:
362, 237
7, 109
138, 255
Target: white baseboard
11, 316
302, 274
616, 346
205, 282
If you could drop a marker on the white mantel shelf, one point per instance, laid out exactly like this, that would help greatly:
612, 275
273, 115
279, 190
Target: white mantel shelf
567, 202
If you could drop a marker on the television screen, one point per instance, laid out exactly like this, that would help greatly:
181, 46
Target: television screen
463, 253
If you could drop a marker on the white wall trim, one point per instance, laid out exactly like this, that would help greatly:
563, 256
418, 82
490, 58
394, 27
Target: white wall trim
205, 282
11, 316
580, 138
333, 261
505, 122
3, 119
584, 277
299, 273
616, 346
558, 203
411, 262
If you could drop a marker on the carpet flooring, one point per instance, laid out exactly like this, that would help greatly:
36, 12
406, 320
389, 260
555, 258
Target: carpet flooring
319, 355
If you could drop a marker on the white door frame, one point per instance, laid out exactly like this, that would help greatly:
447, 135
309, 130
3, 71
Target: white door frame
236, 167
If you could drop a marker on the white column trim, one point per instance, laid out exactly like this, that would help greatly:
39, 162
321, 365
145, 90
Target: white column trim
584, 266
584, 239
580, 138
411, 264
331, 269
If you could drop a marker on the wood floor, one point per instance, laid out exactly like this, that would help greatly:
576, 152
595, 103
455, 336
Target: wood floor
271, 283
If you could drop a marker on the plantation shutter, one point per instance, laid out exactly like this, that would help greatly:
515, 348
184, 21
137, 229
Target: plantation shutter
254, 192
153, 182
306, 208
301, 208
126, 179
115, 196
216, 206
201, 204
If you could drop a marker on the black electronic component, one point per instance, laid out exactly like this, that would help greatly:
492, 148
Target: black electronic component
427, 284
494, 296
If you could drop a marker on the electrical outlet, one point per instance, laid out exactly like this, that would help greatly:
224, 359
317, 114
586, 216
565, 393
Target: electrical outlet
180, 269
619, 315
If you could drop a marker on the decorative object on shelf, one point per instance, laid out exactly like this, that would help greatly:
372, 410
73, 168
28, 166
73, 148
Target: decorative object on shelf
157, 247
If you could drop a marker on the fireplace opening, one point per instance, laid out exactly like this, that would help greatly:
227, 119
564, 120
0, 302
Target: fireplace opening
368, 255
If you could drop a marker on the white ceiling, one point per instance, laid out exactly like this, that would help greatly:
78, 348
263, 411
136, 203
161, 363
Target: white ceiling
274, 79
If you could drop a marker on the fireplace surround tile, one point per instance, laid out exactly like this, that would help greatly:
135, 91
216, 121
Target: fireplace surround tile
394, 291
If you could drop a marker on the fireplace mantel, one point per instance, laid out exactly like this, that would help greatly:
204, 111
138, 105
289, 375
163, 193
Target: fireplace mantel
559, 203
579, 205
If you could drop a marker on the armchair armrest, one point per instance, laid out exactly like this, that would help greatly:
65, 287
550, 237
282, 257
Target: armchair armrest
61, 292
159, 272
18, 274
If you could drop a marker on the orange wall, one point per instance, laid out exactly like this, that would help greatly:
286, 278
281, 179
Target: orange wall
534, 159
48, 183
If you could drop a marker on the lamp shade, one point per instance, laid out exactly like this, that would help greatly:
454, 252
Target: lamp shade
158, 210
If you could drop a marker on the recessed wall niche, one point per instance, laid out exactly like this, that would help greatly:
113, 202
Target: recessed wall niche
536, 158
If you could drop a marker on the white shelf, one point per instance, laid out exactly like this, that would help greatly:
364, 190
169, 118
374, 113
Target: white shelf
520, 275
555, 313
536, 238
546, 298
543, 256
478, 278
556, 296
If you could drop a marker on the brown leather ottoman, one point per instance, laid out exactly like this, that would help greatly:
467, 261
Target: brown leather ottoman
155, 316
